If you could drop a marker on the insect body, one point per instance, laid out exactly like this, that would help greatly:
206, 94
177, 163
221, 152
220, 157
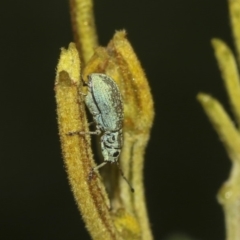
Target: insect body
104, 102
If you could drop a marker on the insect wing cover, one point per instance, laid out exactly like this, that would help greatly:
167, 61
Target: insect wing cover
108, 99
91, 104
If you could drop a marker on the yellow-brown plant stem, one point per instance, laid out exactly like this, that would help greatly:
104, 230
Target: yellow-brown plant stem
90, 195
84, 29
119, 61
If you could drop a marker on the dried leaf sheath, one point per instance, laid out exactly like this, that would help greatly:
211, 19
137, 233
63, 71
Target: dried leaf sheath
89, 195
139, 114
119, 61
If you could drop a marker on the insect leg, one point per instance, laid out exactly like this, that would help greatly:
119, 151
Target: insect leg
121, 172
97, 132
95, 169
90, 123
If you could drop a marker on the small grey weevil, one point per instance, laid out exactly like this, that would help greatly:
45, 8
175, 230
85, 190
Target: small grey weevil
104, 102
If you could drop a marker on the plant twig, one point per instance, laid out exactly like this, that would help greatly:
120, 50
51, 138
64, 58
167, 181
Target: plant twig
84, 29
229, 194
234, 10
230, 75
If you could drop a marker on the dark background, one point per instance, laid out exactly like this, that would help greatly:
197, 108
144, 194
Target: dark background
185, 161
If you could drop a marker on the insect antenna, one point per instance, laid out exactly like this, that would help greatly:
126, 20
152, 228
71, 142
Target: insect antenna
121, 172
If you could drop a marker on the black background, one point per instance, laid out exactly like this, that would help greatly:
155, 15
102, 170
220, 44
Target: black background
185, 161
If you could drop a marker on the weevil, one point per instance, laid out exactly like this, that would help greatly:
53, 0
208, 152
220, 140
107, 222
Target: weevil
105, 104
